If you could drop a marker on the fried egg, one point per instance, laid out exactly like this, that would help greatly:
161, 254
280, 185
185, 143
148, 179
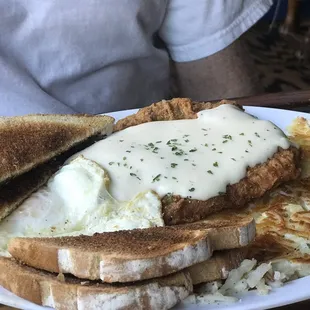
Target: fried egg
76, 201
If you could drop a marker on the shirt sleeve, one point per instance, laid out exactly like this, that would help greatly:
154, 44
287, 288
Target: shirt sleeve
196, 29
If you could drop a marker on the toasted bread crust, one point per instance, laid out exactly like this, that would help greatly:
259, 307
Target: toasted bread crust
282, 167
28, 141
154, 252
218, 266
68, 293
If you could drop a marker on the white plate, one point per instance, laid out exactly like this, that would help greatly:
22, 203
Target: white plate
291, 292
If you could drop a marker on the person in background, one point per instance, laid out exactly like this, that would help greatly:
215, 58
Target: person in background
97, 56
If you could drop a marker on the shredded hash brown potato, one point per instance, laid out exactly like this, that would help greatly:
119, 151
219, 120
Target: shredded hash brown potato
281, 250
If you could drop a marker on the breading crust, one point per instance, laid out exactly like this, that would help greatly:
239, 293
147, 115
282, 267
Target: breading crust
282, 167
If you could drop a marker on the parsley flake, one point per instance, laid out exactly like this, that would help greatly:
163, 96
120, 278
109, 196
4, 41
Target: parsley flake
215, 164
192, 189
157, 178
173, 165
228, 137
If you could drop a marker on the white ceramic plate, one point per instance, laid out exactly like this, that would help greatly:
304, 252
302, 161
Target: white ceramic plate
291, 292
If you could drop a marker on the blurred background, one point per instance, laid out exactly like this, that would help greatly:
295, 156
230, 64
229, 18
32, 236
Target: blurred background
280, 46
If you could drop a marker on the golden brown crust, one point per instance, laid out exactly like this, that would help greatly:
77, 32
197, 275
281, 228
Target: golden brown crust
27, 141
67, 292
282, 167
166, 110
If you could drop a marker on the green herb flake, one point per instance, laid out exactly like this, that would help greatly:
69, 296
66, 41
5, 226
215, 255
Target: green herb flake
186, 140
151, 144
128, 151
225, 141
194, 165
111, 163
162, 157
174, 178
155, 150
141, 159
210, 172
214, 149
228, 137
246, 151
157, 178
186, 159
206, 145
193, 150
250, 143
220, 152
134, 175
215, 164
121, 140
185, 136
173, 165
124, 158
192, 189
221, 193
257, 135
158, 141
241, 134
174, 148
179, 153
233, 159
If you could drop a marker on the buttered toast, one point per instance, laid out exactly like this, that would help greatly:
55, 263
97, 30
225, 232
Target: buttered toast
31, 146
64, 293
139, 254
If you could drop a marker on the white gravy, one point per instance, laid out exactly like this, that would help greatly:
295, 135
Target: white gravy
193, 158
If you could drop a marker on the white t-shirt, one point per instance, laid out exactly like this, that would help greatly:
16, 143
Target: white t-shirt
95, 56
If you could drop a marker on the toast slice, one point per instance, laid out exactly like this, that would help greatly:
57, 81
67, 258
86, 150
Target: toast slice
41, 143
282, 167
218, 266
126, 256
69, 293
30, 140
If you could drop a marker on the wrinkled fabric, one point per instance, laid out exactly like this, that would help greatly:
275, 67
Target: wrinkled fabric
96, 56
